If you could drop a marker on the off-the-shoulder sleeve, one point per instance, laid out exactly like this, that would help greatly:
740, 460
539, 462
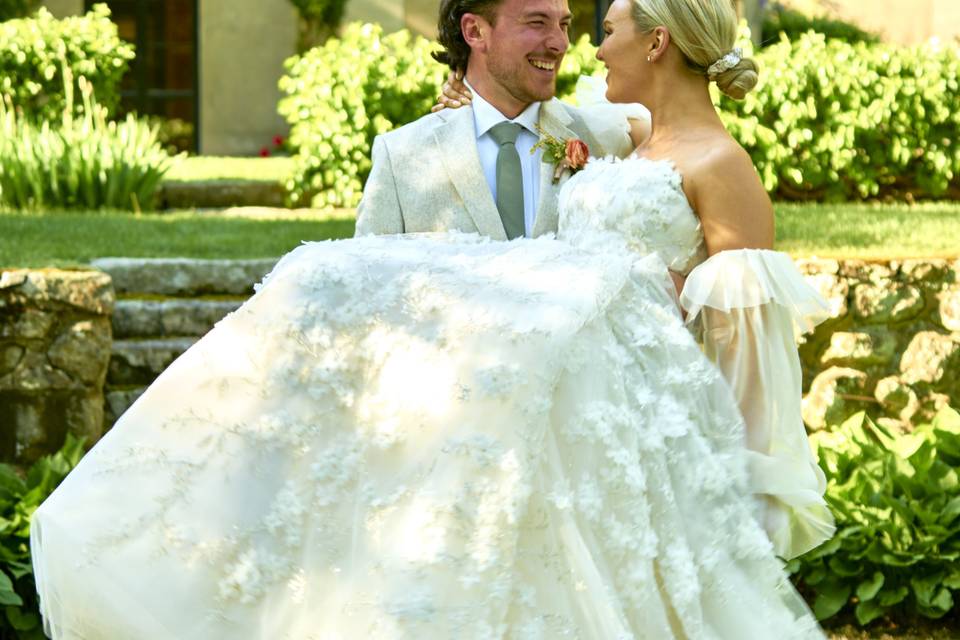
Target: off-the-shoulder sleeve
750, 303
607, 120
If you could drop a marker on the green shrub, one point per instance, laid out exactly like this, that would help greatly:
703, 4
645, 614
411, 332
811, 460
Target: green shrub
85, 162
835, 121
829, 121
32, 52
344, 93
896, 498
19, 498
778, 20
10, 9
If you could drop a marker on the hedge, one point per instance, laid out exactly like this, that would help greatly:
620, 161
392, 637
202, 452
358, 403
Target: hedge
837, 121
344, 93
829, 121
34, 51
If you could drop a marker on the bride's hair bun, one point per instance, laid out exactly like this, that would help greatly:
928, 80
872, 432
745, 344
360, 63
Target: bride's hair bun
705, 32
740, 80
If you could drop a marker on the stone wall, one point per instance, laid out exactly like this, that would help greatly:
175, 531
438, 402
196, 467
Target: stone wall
55, 339
892, 347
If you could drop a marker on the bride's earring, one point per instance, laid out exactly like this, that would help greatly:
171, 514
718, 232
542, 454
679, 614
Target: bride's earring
649, 58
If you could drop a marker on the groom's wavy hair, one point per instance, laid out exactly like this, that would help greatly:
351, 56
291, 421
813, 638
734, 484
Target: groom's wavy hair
456, 51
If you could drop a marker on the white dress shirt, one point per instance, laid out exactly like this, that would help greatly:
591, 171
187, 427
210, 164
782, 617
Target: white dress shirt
485, 117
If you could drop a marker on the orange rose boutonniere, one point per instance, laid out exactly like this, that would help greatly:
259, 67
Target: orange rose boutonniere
563, 154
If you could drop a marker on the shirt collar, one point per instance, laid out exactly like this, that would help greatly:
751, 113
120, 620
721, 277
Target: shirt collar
486, 116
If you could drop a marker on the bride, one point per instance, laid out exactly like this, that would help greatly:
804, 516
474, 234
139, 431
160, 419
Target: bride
443, 436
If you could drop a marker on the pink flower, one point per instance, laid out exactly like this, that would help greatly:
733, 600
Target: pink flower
577, 153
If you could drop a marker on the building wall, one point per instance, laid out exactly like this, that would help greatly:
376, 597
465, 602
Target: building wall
243, 44
389, 13
899, 21
64, 8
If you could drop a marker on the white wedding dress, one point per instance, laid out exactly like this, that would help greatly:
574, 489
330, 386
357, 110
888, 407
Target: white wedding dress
441, 437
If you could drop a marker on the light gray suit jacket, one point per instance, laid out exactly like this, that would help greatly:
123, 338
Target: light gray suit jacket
426, 176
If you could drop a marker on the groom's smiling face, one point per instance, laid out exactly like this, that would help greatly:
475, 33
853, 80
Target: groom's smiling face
522, 48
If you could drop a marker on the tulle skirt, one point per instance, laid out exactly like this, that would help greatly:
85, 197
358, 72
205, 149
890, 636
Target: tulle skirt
425, 438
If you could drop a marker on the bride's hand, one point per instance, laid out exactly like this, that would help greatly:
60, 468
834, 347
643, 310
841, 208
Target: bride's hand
454, 94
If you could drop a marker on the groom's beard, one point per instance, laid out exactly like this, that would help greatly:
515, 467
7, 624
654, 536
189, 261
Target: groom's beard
522, 80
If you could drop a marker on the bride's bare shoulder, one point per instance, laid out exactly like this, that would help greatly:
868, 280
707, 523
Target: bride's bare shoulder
728, 195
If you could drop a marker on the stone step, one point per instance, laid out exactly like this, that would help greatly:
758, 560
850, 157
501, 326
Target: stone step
117, 401
139, 362
204, 194
140, 318
184, 276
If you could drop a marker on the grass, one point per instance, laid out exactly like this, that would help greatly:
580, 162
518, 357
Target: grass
203, 168
869, 231
69, 239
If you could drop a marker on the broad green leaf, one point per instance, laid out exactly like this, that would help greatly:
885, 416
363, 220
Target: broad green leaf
907, 445
843, 567
947, 420
8, 596
925, 587
890, 597
867, 589
22, 620
11, 484
867, 612
831, 597
939, 605
19, 569
952, 581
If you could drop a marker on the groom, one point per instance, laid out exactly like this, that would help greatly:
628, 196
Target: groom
471, 169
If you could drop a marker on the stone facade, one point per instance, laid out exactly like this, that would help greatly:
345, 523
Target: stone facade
892, 345
55, 339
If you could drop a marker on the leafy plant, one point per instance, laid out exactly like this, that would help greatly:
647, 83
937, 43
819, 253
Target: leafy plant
33, 52
896, 498
343, 94
829, 121
86, 162
778, 19
19, 497
834, 121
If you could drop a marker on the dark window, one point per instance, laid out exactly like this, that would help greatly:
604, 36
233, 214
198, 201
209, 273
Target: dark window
588, 18
163, 78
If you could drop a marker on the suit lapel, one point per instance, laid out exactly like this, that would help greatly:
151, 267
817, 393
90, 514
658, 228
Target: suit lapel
554, 120
456, 139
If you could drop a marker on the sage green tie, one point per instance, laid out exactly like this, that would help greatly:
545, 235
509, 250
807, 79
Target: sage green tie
509, 178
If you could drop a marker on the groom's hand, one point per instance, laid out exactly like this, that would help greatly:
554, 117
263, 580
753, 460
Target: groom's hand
678, 282
454, 94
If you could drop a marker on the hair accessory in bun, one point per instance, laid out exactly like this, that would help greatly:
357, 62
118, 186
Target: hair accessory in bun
727, 62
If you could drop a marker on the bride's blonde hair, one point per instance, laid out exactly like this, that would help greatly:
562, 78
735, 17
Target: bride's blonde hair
704, 31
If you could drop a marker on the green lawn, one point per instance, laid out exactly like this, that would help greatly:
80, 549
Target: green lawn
68, 239
202, 168
73, 239
869, 231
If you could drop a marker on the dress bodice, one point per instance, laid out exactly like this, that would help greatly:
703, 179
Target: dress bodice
637, 200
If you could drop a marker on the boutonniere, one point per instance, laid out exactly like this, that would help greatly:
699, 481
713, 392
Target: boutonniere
564, 154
